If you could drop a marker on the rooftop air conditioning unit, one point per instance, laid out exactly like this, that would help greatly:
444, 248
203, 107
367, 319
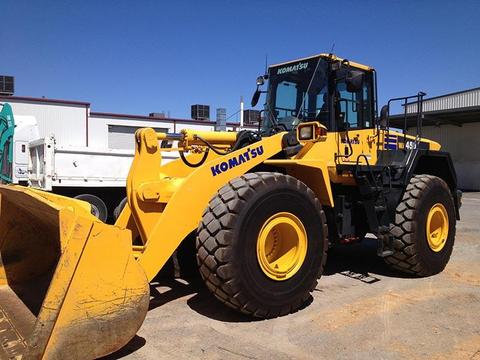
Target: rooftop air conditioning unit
6, 85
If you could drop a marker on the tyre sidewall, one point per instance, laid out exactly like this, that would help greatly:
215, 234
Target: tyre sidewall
268, 201
434, 262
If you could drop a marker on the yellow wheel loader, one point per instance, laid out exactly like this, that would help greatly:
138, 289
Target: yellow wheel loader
261, 206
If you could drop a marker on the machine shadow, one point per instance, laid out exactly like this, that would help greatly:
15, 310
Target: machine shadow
164, 290
133, 345
359, 261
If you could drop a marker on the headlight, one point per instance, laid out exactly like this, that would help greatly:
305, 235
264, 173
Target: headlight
311, 131
306, 132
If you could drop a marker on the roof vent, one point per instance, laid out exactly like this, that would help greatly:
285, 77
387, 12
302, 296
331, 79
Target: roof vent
6, 85
158, 115
200, 112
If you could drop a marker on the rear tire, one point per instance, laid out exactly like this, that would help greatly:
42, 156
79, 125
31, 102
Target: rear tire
98, 207
418, 249
229, 244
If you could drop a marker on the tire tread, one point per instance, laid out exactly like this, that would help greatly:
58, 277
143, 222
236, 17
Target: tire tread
215, 231
405, 258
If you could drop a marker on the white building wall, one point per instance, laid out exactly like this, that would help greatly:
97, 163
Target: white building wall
463, 145
98, 128
196, 126
66, 122
208, 126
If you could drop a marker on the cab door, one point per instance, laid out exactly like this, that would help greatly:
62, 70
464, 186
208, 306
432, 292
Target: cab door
354, 118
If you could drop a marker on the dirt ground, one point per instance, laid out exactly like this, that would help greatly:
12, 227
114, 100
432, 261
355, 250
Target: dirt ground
359, 310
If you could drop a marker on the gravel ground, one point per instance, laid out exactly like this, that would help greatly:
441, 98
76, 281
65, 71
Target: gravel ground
359, 310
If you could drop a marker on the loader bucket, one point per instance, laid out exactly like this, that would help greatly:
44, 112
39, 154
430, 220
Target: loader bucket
69, 285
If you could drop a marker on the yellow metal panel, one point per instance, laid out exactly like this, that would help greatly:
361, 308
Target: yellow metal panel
331, 150
314, 173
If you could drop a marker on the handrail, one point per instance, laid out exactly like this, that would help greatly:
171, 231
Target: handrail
419, 120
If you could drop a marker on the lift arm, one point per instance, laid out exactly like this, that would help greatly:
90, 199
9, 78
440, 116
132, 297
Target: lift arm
167, 208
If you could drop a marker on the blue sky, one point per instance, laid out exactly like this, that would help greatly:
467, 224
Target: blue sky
150, 56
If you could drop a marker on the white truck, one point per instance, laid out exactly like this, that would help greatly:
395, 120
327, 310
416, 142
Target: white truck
25, 130
96, 175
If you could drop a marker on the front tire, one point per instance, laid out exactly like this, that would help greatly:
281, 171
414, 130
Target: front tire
424, 228
261, 244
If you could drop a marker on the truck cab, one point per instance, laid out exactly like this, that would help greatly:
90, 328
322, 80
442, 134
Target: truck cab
15, 134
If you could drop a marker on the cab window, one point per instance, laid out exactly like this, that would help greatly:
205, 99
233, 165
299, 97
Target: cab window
286, 96
355, 108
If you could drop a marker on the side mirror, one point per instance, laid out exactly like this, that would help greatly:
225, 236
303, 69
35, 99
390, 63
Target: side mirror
384, 116
255, 97
354, 81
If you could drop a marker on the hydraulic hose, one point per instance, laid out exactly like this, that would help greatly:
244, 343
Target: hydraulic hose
193, 165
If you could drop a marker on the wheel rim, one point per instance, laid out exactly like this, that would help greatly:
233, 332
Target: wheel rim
94, 211
437, 227
281, 246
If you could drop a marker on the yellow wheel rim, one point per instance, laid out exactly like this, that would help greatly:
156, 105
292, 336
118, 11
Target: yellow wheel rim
281, 246
437, 227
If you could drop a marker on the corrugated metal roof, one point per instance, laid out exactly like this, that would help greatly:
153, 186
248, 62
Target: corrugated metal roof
458, 100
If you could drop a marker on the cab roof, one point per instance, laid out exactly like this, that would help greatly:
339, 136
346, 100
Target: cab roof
326, 56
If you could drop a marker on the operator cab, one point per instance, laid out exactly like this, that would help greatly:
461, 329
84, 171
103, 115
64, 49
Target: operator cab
335, 92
